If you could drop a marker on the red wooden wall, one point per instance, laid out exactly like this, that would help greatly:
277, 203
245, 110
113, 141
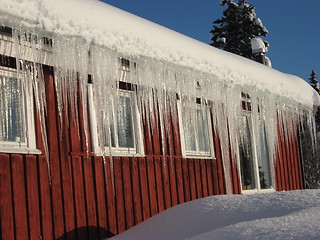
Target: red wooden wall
288, 169
82, 196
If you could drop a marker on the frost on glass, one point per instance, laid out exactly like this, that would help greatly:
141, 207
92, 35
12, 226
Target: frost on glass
12, 120
196, 130
246, 156
263, 160
125, 123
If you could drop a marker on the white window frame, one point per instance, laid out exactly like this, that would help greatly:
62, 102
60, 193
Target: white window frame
29, 145
195, 154
138, 150
254, 141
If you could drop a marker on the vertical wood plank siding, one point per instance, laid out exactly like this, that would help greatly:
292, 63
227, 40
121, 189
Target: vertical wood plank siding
287, 167
81, 196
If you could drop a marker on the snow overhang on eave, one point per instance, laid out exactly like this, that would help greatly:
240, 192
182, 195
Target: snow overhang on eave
102, 24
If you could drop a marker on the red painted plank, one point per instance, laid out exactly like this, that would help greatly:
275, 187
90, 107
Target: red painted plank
173, 181
128, 196
285, 158
144, 188
45, 198
179, 180
6, 207
166, 182
209, 170
275, 172
33, 197
152, 186
84, 123
74, 128
79, 198
110, 192
220, 178
297, 161
100, 187
159, 184
68, 195
292, 163
156, 134
295, 149
53, 144
19, 196
91, 207
147, 135
296, 153
186, 180
204, 178
170, 134
121, 217
38, 128
289, 161
198, 178
280, 160
216, 189
176, 131
192, 178
137, 200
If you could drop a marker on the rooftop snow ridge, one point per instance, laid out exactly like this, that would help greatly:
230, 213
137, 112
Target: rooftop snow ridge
102, 24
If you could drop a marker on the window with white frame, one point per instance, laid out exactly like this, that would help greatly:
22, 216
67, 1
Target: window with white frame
195, 129
17, 131
120, 129
253, 149
122, 124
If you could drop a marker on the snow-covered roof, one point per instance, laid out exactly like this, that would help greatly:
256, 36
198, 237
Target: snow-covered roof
105, 25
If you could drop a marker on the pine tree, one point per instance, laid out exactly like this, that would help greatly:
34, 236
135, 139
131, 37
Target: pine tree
314, 82
233, 32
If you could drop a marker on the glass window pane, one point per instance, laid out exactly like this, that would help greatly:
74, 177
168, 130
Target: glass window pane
202, 127
11, 110
125, 122
263, 161
246, 157
189, 131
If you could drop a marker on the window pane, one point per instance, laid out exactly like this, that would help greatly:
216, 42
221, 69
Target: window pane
125, 123
11, 110
202, 126
189, 131
264, 164
246, 158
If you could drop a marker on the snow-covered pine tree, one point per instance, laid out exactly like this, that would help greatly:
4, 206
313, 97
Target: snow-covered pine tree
314, 82
233, 32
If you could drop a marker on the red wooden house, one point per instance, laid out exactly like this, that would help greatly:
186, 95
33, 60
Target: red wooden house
107, 123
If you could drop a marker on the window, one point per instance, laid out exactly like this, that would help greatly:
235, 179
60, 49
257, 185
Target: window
253, 150
195, 129
119, 132
122, 131
17, 132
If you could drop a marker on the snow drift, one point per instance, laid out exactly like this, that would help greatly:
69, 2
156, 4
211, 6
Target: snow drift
279, 215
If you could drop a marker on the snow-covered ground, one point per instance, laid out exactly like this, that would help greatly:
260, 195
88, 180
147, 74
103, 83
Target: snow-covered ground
278, 215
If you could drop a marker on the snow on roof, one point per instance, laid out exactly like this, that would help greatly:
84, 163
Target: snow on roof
278, 215
102, 24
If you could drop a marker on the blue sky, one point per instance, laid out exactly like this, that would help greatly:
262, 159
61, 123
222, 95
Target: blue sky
293, 25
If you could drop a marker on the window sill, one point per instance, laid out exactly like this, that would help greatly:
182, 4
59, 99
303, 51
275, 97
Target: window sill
199, 157
21, 150
119, 154
254, 191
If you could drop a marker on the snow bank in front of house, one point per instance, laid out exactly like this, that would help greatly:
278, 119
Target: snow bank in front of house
278, 215
104, 25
